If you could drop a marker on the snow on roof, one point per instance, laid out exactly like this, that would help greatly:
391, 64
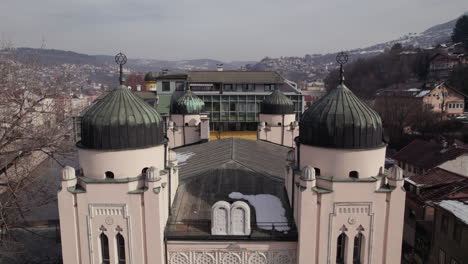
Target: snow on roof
269, 210
423, 93
458, 208
413, 183
182, 157
413, 90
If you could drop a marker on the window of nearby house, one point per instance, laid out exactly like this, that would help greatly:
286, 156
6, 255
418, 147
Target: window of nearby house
441, 256
444, 223
166, 86
269, 87
457, 231
229, 87
180, 86
247, 88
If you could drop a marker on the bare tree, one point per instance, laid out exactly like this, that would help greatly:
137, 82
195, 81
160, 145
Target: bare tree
34, 126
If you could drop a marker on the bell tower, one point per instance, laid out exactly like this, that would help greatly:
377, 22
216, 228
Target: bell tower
277, 120
187, 125
347, 208
121, 190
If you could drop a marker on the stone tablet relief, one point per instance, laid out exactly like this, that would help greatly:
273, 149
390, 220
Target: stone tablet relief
220, 218
240, 219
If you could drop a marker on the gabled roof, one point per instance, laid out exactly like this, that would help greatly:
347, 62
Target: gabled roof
427, 155
210, 172
260, 156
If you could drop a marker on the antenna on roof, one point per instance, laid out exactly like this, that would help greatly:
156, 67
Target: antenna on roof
121, 59
342, 59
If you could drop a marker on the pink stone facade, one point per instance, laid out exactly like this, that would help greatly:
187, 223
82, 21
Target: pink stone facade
187, 129
334, 204
278, 129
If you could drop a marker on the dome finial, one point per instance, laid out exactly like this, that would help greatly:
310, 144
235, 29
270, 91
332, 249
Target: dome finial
342, 59
121, 59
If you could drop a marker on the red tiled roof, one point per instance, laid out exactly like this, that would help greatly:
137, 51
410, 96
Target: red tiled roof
427, 155
455, 189
436, 177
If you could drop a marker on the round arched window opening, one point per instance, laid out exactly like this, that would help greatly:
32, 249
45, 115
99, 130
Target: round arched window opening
109, 175
354, 174
186, 124
317, 171
143, 171
279, 124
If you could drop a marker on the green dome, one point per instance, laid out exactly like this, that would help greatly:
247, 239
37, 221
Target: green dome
277, 103
189, 103
151, 76
341, 120
121, 120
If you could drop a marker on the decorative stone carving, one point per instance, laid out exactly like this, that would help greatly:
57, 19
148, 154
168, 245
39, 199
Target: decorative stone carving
283, 258
258, 258
395, 173
179, 258
240, 219
205, 258
152, 174
227, 256
291, 156
68, 173
308, 173
231, 258
220, 218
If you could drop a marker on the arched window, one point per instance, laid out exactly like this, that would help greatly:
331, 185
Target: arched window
358, 248
104, 249
143, 171
279, 123
109, 175
341, 249
354, 174
381, 171
317, 171
120, 248
186, 124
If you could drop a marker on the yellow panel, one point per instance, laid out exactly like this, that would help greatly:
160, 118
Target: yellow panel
233, 134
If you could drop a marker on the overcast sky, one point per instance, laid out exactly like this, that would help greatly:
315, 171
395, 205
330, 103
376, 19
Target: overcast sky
217, 29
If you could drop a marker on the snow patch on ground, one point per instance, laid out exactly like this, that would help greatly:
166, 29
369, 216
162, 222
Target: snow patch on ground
459, 209
182, 157
268, 210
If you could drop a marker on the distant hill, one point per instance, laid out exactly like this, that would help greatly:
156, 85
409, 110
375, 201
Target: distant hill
57, 57
317, 66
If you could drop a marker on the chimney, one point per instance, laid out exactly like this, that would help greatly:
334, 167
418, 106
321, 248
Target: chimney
219, 67
138, 87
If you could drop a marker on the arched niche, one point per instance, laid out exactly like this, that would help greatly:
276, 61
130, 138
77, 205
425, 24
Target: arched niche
220, 218
240, 219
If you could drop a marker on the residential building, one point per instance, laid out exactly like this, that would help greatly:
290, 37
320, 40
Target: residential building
451, 231
420, 156
232, 98
424, 191
440, 98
